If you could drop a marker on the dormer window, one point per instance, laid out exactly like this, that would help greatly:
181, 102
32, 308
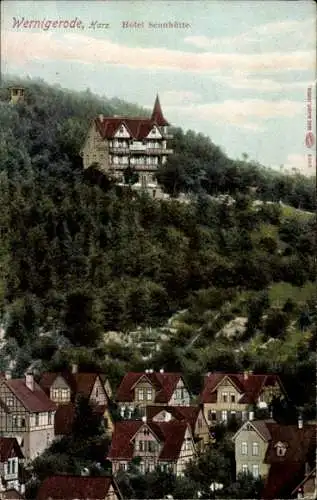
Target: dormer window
280, 449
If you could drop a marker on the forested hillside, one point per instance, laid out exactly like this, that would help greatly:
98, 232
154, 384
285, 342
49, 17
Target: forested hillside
80, 256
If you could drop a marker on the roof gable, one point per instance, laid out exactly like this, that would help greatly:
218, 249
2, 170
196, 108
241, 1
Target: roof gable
143, 378
229, 379
122, 130
259, 426
9, 448
143, 429
164, 384
154, 133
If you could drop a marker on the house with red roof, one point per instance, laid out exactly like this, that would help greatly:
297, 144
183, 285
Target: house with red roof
226, 395
140, 389
11, 459
167, 445
193, 415
117, 143
79, 488
27, 414
64, 387
280, 454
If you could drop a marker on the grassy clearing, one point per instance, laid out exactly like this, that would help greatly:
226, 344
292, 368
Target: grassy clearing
280, 292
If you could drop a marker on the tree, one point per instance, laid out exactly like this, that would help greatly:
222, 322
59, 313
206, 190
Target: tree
245, 486
80, 321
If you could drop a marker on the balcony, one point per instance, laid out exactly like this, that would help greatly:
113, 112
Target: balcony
158, 151
138, 168
142, 150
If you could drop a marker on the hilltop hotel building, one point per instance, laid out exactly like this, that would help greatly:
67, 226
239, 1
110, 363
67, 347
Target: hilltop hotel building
116, 143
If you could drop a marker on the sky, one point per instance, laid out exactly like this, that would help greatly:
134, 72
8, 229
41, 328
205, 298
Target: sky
241, 72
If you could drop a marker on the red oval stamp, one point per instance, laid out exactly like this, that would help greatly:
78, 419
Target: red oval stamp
309, 139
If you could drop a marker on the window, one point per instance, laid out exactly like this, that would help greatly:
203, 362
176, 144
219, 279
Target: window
37, 419
187, 446
224, 397
151, 446
224, 415
245, 469
49, 418
149, 394
151, 467
232, 398
244, 415
140, 394
255, 471
12, 466
255, 449
244, 448
280, 449
200, 423
9, 401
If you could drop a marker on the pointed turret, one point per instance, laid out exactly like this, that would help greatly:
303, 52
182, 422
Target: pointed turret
157, 114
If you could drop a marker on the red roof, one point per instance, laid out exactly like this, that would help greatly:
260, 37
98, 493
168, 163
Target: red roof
281, 480
174, 435
164, 384
187, 413
285, 471
170, 434
299, 442
9, 448
121, 446
33, 401
79, 383
157, 114
76, 487
139, 128
250, 387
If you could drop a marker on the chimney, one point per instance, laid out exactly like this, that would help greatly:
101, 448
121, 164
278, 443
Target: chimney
74, 368
245, 375
251, 415
144, 419
8, 374
29, 381
162, 370
300, 422
101, 117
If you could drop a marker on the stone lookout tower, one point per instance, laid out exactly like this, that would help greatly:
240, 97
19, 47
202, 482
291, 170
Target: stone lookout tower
16, 94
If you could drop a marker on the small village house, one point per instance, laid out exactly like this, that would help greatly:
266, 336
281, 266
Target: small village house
227, 395
26, 413
167, 445
280, 454
140, 389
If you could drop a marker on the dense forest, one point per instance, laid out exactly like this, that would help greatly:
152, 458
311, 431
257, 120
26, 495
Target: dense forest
80, 257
